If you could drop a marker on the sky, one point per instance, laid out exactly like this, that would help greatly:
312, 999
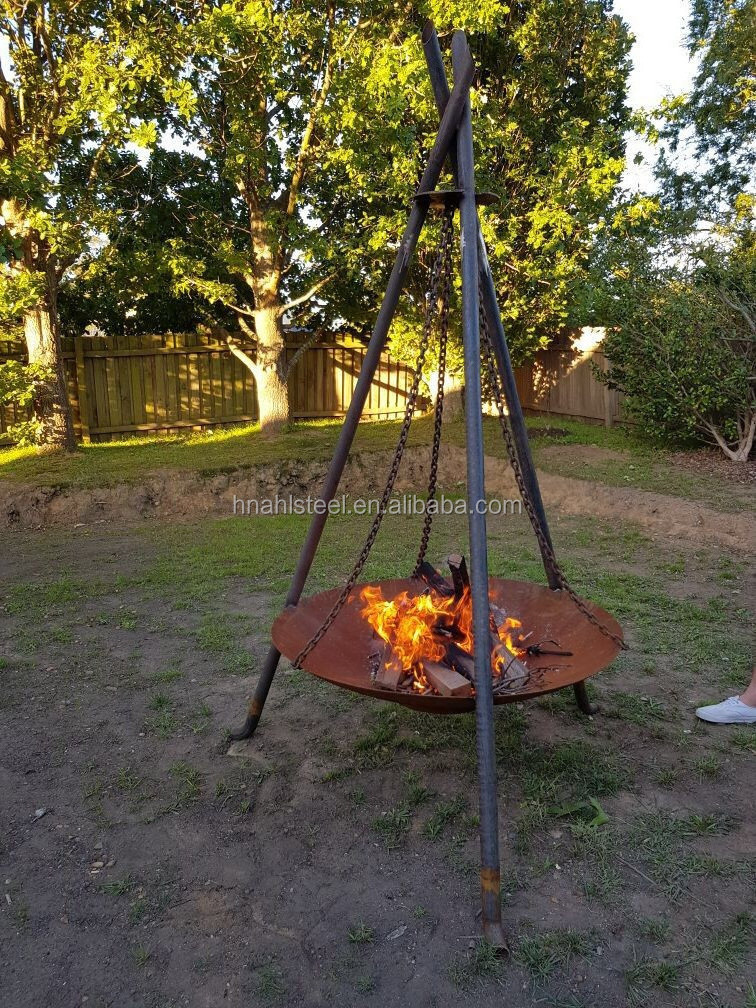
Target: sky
661, 65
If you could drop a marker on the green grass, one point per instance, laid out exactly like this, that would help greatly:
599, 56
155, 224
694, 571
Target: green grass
544, 953
393, 826
361, 934
483, 963
219, 451
642, 465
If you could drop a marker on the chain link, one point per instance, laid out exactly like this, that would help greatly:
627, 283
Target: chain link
445, 295
546, 548
431, 310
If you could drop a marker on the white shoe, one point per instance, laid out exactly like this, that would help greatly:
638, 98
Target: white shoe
730, 711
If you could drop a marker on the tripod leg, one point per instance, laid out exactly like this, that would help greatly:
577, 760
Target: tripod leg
441, 93
582, 700
444, 139
490, 874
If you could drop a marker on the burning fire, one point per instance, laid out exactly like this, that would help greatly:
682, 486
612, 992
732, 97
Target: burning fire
419, 628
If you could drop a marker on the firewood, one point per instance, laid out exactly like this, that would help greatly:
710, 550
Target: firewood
511, 666
390, 669
434, 579
460, 660
446, 680
460, 576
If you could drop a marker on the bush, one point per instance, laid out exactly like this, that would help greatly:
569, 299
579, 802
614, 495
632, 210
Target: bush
683, 354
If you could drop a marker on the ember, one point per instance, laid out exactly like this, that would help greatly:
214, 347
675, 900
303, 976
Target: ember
428, 643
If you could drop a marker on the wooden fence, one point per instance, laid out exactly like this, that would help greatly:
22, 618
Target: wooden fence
177, 381
170, 382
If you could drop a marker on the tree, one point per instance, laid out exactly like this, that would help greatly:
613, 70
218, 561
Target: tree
675, 274
311, 124
80, 83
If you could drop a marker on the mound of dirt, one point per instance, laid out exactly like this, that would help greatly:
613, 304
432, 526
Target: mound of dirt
175, 496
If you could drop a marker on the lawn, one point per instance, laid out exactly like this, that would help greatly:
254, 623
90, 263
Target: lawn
616, 456
334, 858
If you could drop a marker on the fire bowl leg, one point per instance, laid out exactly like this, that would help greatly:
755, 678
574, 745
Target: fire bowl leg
257, 702
581, 697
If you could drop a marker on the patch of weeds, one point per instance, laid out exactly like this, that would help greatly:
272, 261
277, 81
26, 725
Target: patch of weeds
706, 825
420, 913
168, 675
598, 849
655, 929
647, 973
744, 739
377, 747
357, 797
365, 984
128, 781
573, 769
543, 953
141, 954
119, 887
62, 635
511, 882
337, 774
636, 708
393, 826
200, 719
533, 814
483, 963
33, 598
188, 785
160, 701
707, 766
657, 838
728, 948
667, 778
164, 725
18, 908
417, 792
128, 620
361, 934
93, 796
270, 983
444, 813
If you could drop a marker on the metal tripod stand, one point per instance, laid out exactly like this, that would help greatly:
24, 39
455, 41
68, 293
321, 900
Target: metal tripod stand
454, 141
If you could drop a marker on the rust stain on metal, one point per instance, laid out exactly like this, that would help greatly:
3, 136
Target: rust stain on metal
490, 880
342, 656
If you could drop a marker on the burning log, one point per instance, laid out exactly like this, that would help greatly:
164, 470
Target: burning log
434, 579
445, 680
390, 670
460, 576
461, 661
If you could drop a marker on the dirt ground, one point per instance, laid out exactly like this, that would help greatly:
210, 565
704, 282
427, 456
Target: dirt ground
333, 859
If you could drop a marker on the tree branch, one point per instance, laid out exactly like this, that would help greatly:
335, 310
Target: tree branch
307, 294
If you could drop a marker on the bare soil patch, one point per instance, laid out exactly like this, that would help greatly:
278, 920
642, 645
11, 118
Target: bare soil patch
333, 860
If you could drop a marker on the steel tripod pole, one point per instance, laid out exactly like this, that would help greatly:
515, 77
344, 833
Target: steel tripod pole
440, 85
444, 139
490, 875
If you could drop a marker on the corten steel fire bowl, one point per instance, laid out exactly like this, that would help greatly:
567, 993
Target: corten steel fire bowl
343, 655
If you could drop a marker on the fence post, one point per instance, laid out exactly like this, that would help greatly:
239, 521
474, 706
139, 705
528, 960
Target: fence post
610, 396
81, 389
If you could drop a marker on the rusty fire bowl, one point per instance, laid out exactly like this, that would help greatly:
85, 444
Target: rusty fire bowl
343, 656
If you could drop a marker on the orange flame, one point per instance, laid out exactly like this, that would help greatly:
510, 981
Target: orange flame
409, 624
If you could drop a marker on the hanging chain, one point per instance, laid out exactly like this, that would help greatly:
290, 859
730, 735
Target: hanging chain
431, 309
445, 295
546, 548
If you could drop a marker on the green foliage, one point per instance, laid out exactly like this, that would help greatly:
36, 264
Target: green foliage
308, 131
18, 384
683, 351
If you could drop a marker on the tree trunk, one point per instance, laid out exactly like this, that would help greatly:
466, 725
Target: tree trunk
270, 371
51, 406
